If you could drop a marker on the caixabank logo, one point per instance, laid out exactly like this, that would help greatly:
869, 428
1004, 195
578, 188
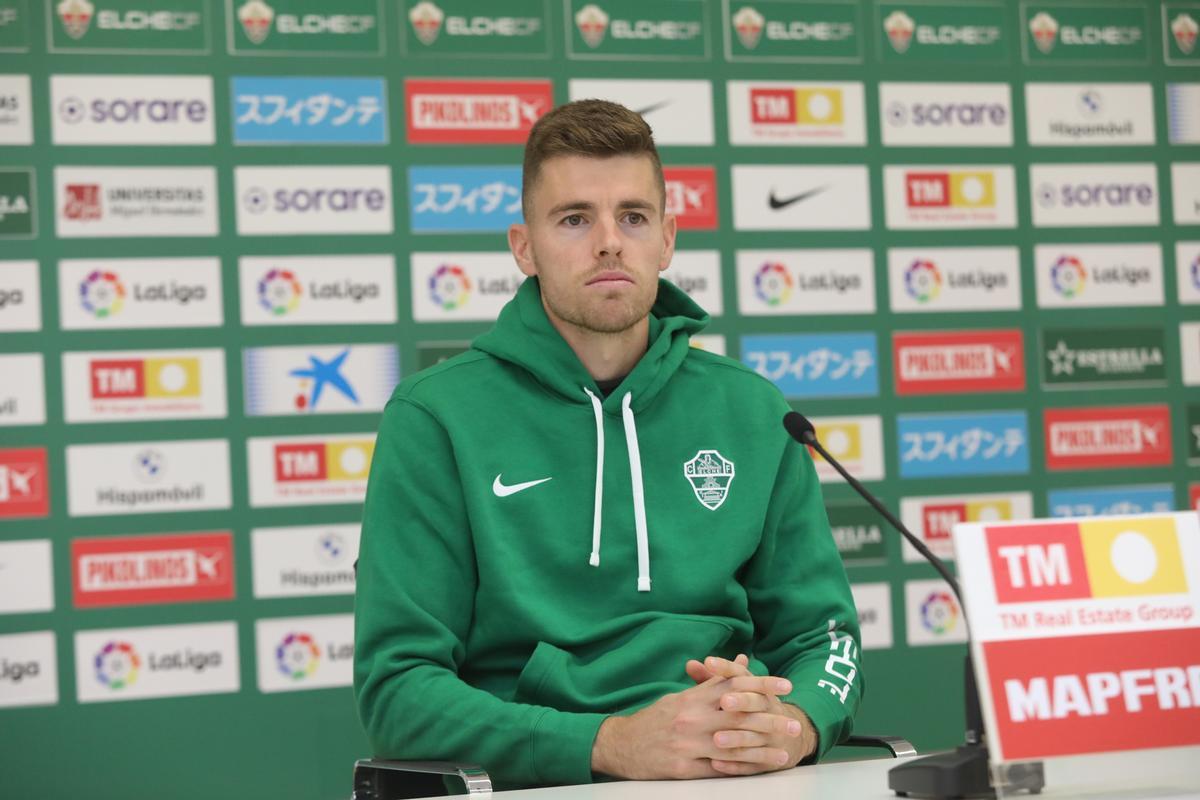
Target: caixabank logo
18, 206
24, 483
1108, 437
630, 29
23, 393
125, 109
317, 290
804, 282
307, 27
474, 29
101, 294
1094, 276
305, 560
954, 362
932, 519
342, 110
959, 114
115, 386
28, 669
783, 31
1065, 34
474, 111
796, 113
1093, 195
942, 32
147, 477
692, 197
462, 286
135, 201
149, 570
928, 197
300, 653
156, 661
313, 200
309, 470
183, 27
319, 379
20, 297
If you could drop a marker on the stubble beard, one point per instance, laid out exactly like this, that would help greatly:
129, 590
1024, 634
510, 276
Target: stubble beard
607, 313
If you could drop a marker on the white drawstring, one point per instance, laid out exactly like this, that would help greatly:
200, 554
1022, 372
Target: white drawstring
594, 560
639, 493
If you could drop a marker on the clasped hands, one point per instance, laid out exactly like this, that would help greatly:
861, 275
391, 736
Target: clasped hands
731, 723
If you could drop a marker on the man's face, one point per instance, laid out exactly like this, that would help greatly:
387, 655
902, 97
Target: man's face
596, 237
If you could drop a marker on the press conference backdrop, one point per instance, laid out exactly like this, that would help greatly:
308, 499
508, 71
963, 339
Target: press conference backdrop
961, 236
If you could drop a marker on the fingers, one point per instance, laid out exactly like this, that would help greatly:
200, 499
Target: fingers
697, 671
739, 768
737, 668
762, 758
770, 724
740, 739
767, 685
744, 701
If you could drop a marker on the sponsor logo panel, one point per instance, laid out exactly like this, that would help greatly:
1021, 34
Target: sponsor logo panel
1110, 500
305, 27
858, 534
16, 104
24, 483
309, 110
20, 296
471, 28
28, 585
127, 109
299, 653
135, 201
698, 273
930, 196
932, 519
103, 294
147, 477
305, 560
313, 200
141, 570
1181, 27
1194, 496
631, 29
156, 661
801, 198
679, 112
816, 365
18, 204
1069, 34
692, 197
125, 385
857, 442
1109, 437
1093, 195
796, 113
932, 614
1189, 352
942, 32
711, 343
952, 445
1193, 434
1080, 114
474, 111
1187, 272
129, 26
874, 604
1098, 275
785, 31
1183, 112
951, 362
317, 290
23, 392
330, 379
1095, 357
954, 279
802, 282
957, 114
28, 664
309, 470
1185, 193
14, 26
462, 286
464, 199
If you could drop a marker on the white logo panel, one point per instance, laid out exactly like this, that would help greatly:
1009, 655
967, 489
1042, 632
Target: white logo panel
932, 614
1093, 195
949, 197
1076, 276
321, 379
28, 669
124, 385
135, 201
698, 273
313, 200
304, 560
710, 343
856, 442
20, 297
125, 109
774, 197
1081, 114
1189, 351
932, 519
803, 282
298, 653
147, 477
309, 470
679, 112
957, 114
1187, 272
1185, 193
954, 279
26, 577
788, 113
99, 294
23, 390
462, 286
1183, 113
16, 110
874, 604
317, 290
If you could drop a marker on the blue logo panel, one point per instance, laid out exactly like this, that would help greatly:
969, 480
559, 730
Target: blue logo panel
937, 445
816, 365
309, 111
464, 199
1147, 499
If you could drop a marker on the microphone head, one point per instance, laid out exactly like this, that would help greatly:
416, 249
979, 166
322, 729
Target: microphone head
799, 428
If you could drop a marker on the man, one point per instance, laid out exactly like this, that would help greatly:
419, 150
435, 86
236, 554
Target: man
486, 630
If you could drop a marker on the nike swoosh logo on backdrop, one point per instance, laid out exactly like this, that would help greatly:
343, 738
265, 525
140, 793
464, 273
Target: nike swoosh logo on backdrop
500, 490
777, 204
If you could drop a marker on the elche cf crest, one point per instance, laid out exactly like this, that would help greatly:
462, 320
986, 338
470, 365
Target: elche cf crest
749, 25
592, 22
76, 16
256, 18
426, 19
710, 474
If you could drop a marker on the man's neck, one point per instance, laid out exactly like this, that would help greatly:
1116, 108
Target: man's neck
605, 355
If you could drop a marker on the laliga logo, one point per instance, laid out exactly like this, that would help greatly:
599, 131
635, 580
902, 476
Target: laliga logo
1045, 30
76, 16
102, 294
279, 292
939, 614
923, 281
426, 19
449, 287
256, 18
748, 24
1184, 29
117, 665
899, 28
1069, 276
592, 23
773, 283
297, 656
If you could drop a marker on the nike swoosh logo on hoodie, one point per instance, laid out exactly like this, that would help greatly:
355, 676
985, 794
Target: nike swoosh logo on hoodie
500, 490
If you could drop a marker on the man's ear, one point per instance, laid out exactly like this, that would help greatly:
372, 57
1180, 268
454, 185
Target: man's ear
522, 248
669, 229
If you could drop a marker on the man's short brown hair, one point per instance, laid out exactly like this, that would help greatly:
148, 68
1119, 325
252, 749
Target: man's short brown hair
590, 128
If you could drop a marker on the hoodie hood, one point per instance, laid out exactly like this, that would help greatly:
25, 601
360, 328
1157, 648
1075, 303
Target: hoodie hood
523, 335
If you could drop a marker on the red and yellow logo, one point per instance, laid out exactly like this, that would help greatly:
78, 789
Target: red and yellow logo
345, 460
138, 378
968, 189
803, 105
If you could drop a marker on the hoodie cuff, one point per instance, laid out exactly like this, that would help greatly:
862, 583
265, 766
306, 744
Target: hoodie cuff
561, 746
831, 719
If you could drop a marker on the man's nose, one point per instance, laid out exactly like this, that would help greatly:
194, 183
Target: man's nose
607, 235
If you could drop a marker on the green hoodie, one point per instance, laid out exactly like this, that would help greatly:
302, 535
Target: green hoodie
674, 519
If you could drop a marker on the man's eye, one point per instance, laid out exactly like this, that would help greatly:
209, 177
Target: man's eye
575, 220
635, 218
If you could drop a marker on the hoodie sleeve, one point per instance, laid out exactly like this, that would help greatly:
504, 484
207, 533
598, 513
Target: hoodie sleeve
414, 601
805, 622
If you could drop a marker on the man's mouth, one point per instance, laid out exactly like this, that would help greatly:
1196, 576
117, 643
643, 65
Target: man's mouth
610, 278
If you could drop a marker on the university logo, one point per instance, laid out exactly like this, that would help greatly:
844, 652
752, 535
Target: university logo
1045, 31
899, 28
1184, 29
748, 25
449, 286
82, 202
592, 23
297, 656
117, 665
426, 19
710, 475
